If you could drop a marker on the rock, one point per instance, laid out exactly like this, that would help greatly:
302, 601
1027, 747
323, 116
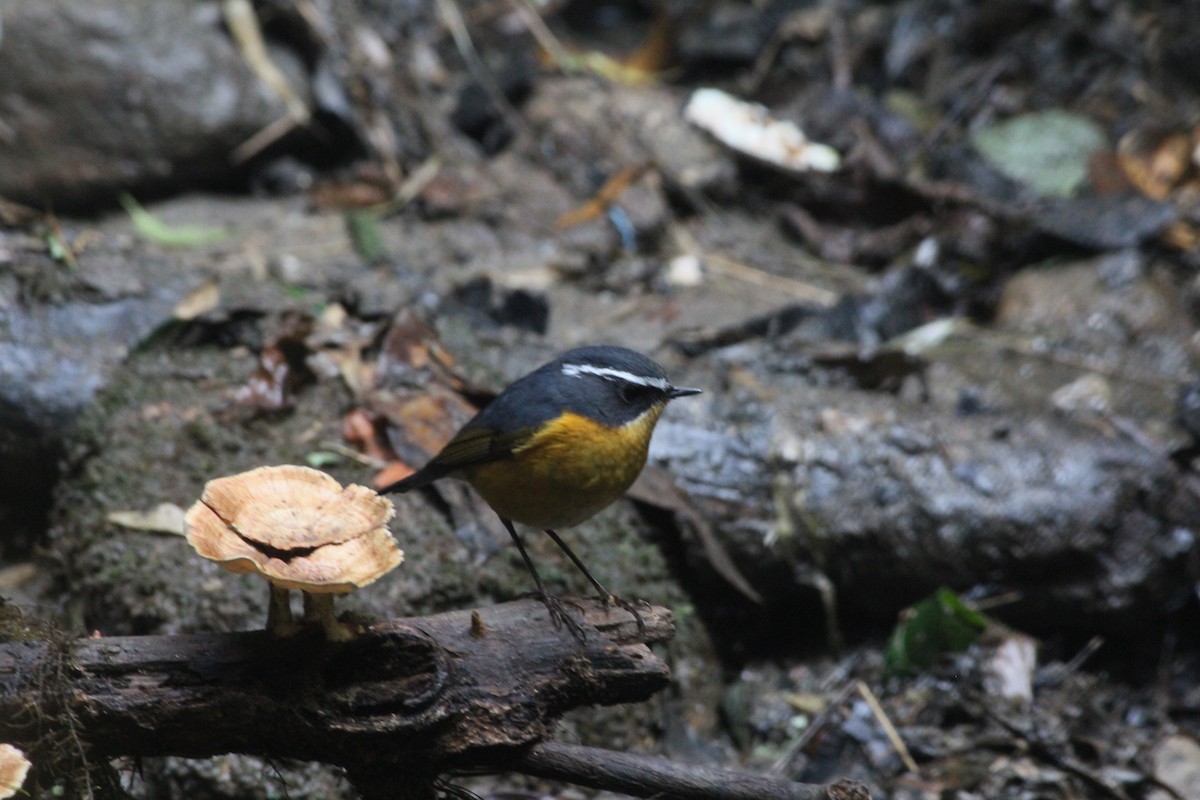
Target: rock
1176, 762
65, 328
586, 129
1091, 532
62, 332
1103, 223
117, 95
1075, 299
1098, 315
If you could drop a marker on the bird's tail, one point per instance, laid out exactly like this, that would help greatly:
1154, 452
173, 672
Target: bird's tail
418, 479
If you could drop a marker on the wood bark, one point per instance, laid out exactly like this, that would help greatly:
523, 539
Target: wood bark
438, 687
407, 701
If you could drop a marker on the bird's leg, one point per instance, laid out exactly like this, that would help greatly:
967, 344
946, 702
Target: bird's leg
606, 596
558, 614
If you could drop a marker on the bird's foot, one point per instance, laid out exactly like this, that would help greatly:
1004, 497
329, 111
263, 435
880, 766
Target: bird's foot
613, 600
559, 617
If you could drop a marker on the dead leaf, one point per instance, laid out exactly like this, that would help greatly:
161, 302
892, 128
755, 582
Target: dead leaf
198, 301
1156, 161
163, 518
411, 355
395, 471
282, 368
608, 194
361, 430
657, 488
428, 421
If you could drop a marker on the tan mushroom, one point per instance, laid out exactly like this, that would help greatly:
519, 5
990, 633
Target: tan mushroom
298, 528
14, 766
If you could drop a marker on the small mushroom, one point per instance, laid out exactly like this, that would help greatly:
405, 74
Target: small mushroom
298, 528
14, 766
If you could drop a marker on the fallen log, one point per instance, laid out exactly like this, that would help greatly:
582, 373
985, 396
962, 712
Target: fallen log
406, 702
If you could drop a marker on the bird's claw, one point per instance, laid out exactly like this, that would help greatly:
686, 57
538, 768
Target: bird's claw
559, 617
613, 600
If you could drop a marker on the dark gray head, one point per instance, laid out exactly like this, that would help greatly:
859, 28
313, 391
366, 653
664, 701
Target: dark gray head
611, 384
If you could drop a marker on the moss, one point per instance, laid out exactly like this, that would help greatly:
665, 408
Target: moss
16, 627
156, 435
204, 436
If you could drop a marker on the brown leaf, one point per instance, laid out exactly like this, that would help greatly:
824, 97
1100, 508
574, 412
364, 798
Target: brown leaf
1155, 161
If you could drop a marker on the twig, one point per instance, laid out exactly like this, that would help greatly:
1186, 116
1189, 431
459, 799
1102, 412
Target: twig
839, 56
1090, 363
738, 270
968, 99
264, 138
889, 729
748, 274
413, 184
814, 727
872, 702
997, 601
1027, 346
1088, 650
541, 32
600, 202
648, 776
352, 454
243, 24
1095, 778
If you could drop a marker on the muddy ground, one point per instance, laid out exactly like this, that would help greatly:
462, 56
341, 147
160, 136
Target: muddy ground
963, 359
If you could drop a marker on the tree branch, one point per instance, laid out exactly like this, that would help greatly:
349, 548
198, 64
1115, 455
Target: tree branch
648, 776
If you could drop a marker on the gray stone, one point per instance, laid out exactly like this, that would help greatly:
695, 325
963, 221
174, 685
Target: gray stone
100, 97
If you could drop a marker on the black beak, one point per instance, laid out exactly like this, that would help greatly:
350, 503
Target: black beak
681, 391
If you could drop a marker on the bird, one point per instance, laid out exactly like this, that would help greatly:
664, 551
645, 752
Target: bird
557, 446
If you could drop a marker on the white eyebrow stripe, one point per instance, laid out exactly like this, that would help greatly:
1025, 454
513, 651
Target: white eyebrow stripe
608, 373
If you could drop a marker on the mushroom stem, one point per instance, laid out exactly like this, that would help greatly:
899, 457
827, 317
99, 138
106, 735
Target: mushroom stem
279, 613
318, 608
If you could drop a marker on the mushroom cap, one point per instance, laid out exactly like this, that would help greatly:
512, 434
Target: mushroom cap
297, 527
14, 766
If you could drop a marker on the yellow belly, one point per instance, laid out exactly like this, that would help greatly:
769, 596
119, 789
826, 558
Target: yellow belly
566, 472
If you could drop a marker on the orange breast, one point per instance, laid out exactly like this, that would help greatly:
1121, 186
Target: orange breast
567, 471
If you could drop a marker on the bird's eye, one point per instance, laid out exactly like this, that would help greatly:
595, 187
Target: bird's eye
632, 392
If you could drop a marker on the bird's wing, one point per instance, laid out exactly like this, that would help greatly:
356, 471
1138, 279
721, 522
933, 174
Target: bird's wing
478, 444
474, 445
